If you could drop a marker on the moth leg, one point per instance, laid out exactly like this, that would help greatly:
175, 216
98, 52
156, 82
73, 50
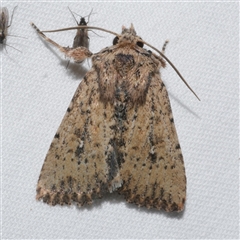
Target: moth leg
164, 46
12, 17
77, 54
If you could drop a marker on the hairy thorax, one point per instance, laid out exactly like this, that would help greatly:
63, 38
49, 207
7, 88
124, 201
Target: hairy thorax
126, 69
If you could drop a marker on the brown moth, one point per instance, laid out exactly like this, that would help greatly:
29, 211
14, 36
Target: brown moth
118, 134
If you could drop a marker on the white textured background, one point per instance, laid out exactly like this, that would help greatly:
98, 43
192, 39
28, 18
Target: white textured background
37, 88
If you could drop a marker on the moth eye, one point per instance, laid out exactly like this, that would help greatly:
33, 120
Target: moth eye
140, 44
115, 40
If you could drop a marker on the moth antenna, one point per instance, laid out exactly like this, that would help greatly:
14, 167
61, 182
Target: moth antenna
175, 69
82, 27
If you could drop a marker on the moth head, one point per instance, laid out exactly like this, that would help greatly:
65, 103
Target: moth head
128, 35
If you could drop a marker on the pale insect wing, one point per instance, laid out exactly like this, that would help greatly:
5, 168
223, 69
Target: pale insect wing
81, 39
153, 173
80, 162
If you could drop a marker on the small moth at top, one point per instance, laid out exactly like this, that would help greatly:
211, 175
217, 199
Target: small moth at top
81, 39
118, 133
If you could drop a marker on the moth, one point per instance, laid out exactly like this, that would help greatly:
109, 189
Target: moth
118, 133
81, 39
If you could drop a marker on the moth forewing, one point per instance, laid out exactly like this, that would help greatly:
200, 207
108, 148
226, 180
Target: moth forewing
118, 134
81, 38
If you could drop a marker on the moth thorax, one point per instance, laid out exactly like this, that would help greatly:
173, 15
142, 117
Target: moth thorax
124, 63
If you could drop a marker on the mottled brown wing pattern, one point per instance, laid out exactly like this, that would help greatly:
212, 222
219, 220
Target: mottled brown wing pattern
147, 148
80, 162
153, 172
118, 134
